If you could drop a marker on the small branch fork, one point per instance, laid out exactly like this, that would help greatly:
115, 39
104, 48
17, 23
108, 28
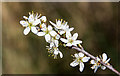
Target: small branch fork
81, 49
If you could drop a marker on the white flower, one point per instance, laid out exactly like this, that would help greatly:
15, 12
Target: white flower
104, 58
71, 40
97, 64
43, 18
79, 59
47, 32
56, 52
53, 49
65, 29
58, 24
30, 23
61, 27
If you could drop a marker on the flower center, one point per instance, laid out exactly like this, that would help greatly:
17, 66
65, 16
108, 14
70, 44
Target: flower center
47, 31
71, 41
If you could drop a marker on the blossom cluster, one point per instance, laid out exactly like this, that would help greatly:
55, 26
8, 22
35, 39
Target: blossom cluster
56, 33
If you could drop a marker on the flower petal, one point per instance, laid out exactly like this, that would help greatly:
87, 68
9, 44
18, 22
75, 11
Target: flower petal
98, 59
103, 67
56, 43
104, 56
62, 32
25, 17
81, 66
57, 36
96, 67
74, 63
34, 30
107, 60
58, 23
26, 30
64, 40
68, 35
76, 55
49, 28
31, 18
53, 33
77, 42
61, 55
24, 23
36, 22
51, 44
85, 59
43, 25
43, 18
53, 23
41, 33
56, 52
81, 54
75, 35
47, 37
92, 62
71, 29
69, 44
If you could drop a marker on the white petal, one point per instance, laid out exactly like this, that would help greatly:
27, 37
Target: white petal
96, 67
103, 67
75, 36
31, 18
69, 44
43, 18
62, 32
76, 55
26, 30
77, 42
41, 33
34, 30
36, 22
51, 44
24, 23
61, 55
104, 56
93, 67
81, 54
56, 52
71, 29
43, 25
107, 60
57, 36
64, 40
25, 17
47, 37
56, 43
68, 35
92, 62
74, 63
81, 66
53, 23
85, 59
58, 23
49, 28
53, 33
98, 59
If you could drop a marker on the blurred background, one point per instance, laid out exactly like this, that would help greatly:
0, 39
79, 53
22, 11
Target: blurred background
96, 23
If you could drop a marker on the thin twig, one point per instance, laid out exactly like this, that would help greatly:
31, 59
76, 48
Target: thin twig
94, 58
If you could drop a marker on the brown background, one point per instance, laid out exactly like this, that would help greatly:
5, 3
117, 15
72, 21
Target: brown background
96, 23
